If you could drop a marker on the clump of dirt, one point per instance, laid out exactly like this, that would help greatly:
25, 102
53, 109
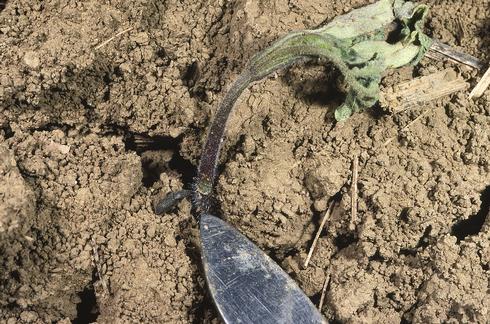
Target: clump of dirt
103, 110
94, 219
18, 201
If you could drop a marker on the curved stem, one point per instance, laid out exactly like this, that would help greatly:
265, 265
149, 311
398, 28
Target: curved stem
281, 54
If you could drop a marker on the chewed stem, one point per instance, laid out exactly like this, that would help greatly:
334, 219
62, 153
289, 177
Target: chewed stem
207, 165
171, 200
281, 54
356, 43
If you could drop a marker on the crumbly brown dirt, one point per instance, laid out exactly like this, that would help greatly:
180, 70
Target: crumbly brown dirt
104, 107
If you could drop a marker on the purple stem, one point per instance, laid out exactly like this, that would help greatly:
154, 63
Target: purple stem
206, 174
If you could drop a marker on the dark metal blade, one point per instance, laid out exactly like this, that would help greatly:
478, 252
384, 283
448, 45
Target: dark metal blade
247, 286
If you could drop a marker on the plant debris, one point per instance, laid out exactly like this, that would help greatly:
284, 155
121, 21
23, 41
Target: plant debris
482, 85
361, 44
423, 89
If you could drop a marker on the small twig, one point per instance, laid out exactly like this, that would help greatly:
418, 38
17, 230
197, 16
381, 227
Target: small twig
104, 43
28, 238
436, 56
322, 224
324, 290
408, 125
480, 88
446, 50
97, 265
355, 173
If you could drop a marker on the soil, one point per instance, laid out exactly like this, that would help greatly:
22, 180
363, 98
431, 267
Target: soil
103, 110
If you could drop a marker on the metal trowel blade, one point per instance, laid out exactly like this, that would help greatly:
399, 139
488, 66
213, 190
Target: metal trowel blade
247, 286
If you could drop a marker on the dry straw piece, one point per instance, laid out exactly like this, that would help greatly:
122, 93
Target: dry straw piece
317, 236
410, 94
482, 86
104, 43
438, 48
355, 173
324, 290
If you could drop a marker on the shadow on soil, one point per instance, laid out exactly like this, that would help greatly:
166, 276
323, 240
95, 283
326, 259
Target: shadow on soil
87, 309
474, 224
152, 166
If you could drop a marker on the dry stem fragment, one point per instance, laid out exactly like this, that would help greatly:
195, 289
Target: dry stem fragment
355, 172
480, 88
324, 290
436, 56
454, 55
104, 43
322, 224
423, 89
422, 114
420, 90
98, 267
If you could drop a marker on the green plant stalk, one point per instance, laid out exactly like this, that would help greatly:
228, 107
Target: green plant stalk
361, 57
284, 53
356, 43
